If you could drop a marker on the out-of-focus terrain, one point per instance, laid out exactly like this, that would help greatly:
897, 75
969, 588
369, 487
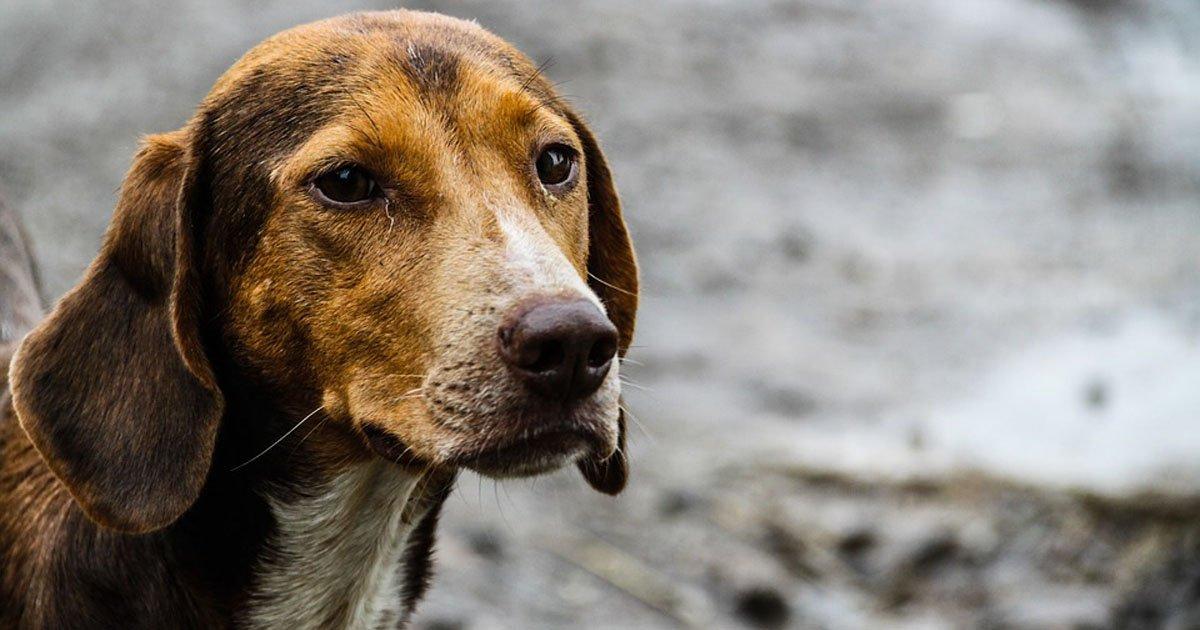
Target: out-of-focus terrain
920, 344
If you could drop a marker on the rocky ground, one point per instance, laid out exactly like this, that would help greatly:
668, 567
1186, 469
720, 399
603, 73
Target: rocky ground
922, 299
801, 548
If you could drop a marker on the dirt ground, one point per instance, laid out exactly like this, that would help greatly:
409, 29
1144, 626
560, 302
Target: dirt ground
921, 326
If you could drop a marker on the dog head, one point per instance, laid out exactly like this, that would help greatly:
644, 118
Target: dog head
388, 217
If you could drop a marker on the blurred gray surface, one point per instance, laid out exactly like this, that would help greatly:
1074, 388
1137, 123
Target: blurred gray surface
848, 213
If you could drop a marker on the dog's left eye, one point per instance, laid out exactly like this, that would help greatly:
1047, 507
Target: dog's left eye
556, 166
348, 184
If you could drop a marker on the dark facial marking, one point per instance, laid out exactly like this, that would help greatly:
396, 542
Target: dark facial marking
433, 69
417, 563
388, 446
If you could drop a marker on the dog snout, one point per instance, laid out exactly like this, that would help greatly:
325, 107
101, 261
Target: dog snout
560, 349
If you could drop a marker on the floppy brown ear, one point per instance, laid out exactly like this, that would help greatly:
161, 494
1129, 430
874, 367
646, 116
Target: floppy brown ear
113, 388
613, 275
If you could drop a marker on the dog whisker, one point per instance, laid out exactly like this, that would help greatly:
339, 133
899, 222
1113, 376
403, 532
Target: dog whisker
406, 450
638, 423
276, 442
537, 72
500, 507
635, 385
610, 285
310, 432
377, 140
415, 392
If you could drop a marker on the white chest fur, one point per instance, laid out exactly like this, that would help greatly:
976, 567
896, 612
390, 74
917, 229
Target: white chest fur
335, 560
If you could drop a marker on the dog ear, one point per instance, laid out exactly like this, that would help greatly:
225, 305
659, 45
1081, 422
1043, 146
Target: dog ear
113, 388
613, 275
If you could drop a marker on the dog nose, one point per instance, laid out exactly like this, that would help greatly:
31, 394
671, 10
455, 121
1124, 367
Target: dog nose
561, 349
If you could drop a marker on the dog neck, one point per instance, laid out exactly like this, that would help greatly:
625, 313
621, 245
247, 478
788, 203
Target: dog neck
293, 540
338, 555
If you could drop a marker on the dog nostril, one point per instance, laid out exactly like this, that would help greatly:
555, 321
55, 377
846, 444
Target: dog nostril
602, 352
550, 356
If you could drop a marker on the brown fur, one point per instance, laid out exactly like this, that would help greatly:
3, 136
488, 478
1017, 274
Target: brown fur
227, 302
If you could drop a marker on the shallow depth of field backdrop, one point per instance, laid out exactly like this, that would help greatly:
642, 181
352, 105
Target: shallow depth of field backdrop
920, 344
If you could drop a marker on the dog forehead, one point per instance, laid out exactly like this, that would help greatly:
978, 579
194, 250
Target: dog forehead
297, 81
426, 47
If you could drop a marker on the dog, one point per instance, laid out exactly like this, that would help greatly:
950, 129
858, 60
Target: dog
382, 250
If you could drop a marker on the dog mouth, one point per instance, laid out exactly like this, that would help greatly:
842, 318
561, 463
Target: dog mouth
536, 454
493, 427
527, 453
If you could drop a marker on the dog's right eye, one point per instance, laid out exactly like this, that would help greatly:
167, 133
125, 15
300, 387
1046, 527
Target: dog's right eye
346, 185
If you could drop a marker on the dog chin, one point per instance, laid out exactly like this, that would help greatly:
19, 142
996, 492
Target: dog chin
541, 453
525, 465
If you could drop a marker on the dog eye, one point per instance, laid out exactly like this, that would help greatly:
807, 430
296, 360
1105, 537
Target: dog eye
557, 166
348, 184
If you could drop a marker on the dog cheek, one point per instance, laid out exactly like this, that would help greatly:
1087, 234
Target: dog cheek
267, 335
387, 402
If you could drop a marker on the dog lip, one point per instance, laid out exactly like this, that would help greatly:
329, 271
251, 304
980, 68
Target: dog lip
539, 453
389, 446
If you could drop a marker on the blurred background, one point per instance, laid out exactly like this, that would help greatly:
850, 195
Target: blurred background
920, 344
